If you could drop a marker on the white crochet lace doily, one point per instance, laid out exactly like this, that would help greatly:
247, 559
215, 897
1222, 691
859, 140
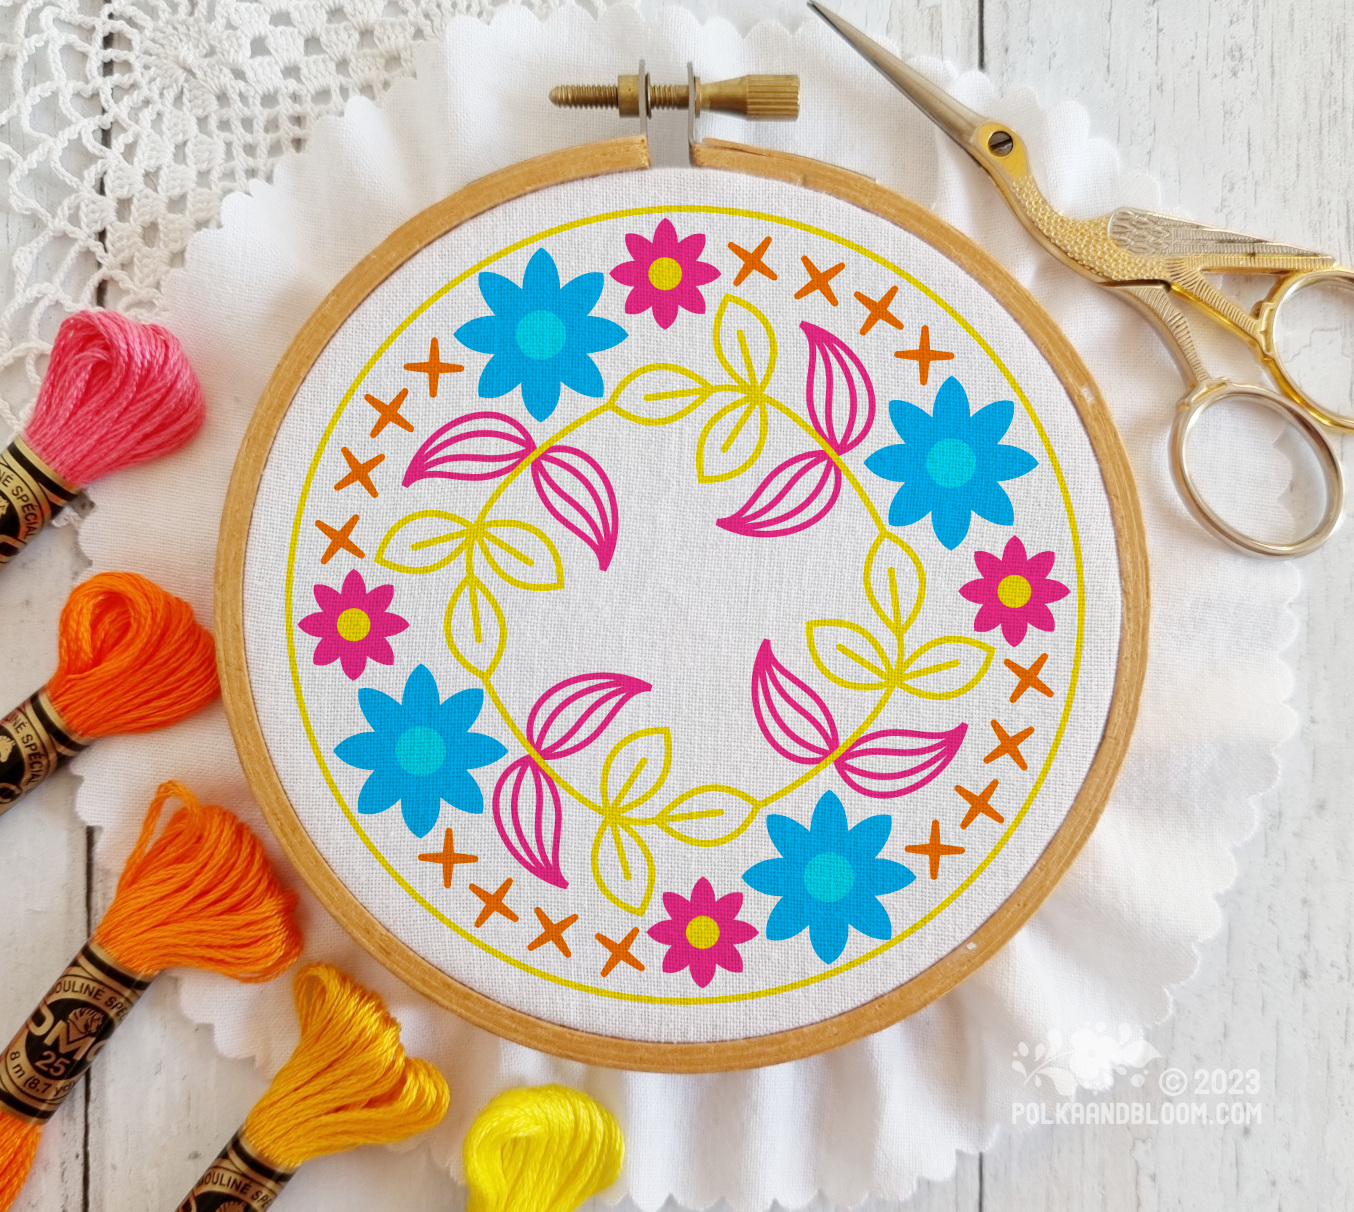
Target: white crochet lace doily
146, 113
1122, 926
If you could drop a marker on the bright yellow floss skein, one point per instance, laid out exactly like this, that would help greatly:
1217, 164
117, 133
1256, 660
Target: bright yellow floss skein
545, 1149
349, 1081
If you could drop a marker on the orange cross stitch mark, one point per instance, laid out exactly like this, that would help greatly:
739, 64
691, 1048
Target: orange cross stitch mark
935, 849
620, 952
819, 280
924, 355
434, 367
979, 805
752, 260
340, 540
878, 309
493, 902
359, 472
389, 414
1009, 746
1029, 678
448, 857
553, 932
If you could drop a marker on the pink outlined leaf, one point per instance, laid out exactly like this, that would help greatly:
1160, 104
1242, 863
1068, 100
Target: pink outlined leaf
898, 761
573, 713
791, 714
478, 446
793, 497
535, 819
578, 494
838, 390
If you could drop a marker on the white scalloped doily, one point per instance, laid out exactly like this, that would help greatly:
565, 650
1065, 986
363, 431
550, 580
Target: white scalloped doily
1122, 926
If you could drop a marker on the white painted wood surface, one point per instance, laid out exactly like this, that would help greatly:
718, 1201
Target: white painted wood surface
1244, 110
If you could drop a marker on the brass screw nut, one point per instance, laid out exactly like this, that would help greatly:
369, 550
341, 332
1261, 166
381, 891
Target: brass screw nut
758, 97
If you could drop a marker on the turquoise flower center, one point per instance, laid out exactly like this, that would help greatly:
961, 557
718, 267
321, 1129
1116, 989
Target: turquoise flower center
420, 750
540, 335
828, 877
951, 463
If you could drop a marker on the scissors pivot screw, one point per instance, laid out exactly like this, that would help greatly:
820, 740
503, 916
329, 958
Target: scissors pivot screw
759, 97
1000, 143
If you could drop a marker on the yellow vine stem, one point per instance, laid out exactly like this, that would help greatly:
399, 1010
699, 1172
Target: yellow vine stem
531, 751
756, 390
806, 777
834, 456
564, 431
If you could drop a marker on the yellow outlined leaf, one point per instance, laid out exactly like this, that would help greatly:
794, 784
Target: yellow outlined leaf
744, 341
847, 654
702, 816
945, 668
635, 769
732, 440
522, 554
630, 853
659, 393
442, 535
895, 582
476, 630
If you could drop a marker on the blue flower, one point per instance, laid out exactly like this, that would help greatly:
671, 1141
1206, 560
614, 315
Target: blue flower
420, 751
540, 335
829, 878
950, 463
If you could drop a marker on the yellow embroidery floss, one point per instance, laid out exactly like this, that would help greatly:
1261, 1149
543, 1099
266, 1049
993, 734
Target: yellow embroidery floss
545, 1149
348, 1083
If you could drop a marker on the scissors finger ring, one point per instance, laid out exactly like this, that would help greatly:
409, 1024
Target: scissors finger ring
1188, 415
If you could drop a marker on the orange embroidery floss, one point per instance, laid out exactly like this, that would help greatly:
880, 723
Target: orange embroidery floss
132, 659
201, 895
348, 1083
117, 393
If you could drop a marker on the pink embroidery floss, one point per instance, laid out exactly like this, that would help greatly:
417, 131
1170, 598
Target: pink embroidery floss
117, 393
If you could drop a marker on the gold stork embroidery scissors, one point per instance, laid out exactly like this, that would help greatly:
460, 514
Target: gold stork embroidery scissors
1154, 259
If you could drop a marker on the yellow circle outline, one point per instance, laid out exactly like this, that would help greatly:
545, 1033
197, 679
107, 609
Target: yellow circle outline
1016, 819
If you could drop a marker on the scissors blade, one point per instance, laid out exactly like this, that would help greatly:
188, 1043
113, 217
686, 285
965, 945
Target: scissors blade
956, 120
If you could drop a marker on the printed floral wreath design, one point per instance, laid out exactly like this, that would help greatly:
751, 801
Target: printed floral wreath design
578, 494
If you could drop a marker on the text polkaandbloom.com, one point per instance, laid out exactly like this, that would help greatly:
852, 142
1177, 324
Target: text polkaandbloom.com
1133, 1112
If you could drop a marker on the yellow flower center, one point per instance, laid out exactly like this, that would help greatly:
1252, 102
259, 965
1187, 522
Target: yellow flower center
702, 932
665, 274
1014, 591
354, 624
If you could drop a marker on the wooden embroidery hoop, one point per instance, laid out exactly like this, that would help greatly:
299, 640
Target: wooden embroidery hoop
620, 155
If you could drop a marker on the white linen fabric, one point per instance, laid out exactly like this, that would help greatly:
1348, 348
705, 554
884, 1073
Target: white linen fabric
689, 608
1122, 926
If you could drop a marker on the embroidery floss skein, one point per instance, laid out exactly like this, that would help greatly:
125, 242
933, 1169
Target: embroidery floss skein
348, 1083
201, 895
132, 658
116, 393
545, 1149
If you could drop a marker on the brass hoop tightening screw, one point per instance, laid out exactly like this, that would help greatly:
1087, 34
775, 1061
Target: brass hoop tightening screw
760, 97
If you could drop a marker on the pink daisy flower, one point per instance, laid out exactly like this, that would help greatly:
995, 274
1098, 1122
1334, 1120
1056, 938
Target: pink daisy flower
353, 625
1014, 591
702, 933
665, 274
